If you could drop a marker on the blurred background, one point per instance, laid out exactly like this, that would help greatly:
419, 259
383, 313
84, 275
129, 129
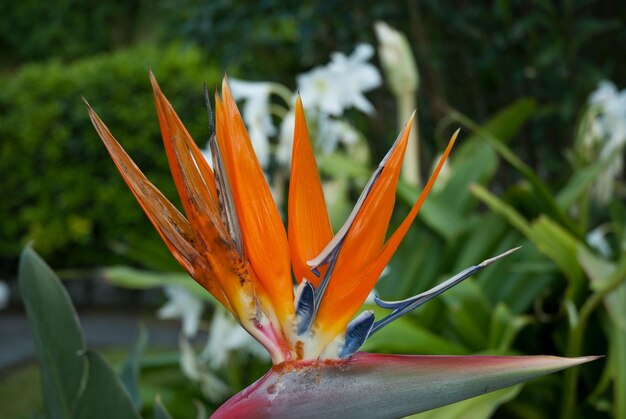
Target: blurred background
535, 86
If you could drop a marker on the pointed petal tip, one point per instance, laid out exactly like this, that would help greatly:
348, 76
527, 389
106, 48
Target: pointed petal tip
453, 139
584, 359
489, 261
155, 84
393, 385
225, 83
407, 126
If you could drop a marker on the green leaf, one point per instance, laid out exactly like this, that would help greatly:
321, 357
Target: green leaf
504, 328
130, 370
473, 161
468, 312
341, 165
201, 412
506, 124
57, 334
373, 385
132, 278
550, 238
481, 407
580, 182
559, 245
160, 411
104, 396
498, 142
618, 340
502, 208
404, 336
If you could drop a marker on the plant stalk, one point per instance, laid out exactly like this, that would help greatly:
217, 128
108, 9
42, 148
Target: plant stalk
574, 345
411, 168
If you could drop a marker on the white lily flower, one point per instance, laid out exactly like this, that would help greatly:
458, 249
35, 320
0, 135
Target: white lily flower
596, 238
605, 135
193, 368
4, 295
225, 335
332, 132
320, 88
182, 304
256, 114
341, 83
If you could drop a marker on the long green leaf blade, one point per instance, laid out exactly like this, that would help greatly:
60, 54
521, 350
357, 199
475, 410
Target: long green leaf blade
104, 396
56, 331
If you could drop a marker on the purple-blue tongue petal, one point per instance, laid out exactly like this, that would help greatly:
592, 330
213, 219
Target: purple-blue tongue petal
382, 386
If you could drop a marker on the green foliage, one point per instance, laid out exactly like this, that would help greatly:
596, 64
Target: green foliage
58, 338
76, 383
476, 57
104, 396
33, 30
130, 370
62, 191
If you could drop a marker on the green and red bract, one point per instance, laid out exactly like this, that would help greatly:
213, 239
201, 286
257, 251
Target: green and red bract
232, 241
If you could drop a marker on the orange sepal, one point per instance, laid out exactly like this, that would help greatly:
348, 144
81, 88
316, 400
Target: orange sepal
367, 233
264, 238
350, 293
308, 222
171, 225
192, 175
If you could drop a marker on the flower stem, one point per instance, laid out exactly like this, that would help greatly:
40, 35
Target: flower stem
411, 167
574, 344
284, 93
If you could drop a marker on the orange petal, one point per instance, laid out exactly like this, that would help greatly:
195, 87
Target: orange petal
171, 225
192, 175
309, 225
264, 238
366, 236
350, 292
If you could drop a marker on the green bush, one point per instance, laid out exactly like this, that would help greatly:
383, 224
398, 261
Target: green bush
58, 185
33, 30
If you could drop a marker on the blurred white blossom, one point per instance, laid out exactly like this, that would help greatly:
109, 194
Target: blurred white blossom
604, 135
334, 131
4, 295
225, 336
341, 84
326, 92
256, 114
183, 305
329, 131
596, 238
285, 139
197, 371
208, 156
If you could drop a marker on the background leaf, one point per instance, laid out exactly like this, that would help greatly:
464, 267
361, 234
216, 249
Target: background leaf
56, 331
104, 396
130, 370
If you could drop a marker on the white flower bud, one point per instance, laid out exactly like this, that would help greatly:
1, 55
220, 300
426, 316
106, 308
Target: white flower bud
397, 60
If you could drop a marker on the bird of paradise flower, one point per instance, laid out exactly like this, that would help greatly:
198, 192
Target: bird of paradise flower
233, 243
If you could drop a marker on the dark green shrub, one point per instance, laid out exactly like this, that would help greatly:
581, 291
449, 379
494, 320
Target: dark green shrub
59, 188
35, 30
